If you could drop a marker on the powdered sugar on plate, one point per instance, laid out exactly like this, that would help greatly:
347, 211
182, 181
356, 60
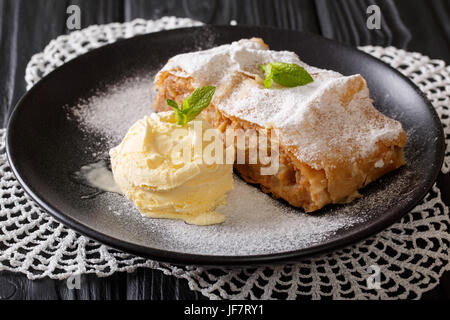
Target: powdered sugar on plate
111, 113
255, 223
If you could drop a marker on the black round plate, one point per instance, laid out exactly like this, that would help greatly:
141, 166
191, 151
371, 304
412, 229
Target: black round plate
43, 146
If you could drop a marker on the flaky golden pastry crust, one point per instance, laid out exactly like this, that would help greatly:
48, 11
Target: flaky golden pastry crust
303, 180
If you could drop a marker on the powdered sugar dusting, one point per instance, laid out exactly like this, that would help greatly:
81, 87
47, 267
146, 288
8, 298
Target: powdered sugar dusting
111, 112
329, 120
256, 223
220, 63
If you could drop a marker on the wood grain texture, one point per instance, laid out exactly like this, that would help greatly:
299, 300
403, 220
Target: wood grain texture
140, 285
421, 26
27, 26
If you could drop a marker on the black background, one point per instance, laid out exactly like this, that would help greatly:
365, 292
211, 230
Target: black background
26, 27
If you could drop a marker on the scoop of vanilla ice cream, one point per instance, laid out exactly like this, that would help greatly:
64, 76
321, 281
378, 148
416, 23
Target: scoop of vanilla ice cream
159, 166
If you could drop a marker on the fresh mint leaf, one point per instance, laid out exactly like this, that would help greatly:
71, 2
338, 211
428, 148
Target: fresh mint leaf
285, 74
180, 116
192, 105
290, 75
268, 81
172, 103
199, 100
268, 74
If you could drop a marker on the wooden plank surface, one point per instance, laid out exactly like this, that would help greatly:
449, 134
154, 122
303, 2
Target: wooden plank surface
27, 26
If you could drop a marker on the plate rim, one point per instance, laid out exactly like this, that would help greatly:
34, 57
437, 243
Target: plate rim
221, 260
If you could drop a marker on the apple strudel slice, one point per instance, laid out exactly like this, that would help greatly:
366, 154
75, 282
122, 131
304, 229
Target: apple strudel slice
332, 139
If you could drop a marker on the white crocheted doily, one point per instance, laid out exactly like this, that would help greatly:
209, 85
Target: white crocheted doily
411, 255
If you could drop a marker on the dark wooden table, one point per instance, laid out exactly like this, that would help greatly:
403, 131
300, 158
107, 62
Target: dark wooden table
27, 26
